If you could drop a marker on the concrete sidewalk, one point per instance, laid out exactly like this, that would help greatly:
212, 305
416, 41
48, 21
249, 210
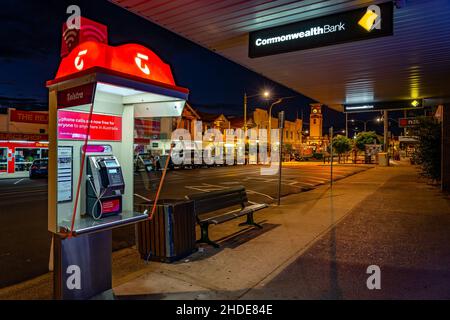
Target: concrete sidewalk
384, 216
316, 245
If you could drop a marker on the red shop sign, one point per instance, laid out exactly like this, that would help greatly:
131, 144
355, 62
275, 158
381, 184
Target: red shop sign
73, 125
28, 117
76, 96
23, 136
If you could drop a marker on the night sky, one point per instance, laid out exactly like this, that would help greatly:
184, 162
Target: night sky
31, 41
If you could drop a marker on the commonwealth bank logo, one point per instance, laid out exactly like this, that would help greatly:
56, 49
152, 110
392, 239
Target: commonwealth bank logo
371, 19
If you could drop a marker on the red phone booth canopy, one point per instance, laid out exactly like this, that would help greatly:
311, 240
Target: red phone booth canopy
86, 51
131, 59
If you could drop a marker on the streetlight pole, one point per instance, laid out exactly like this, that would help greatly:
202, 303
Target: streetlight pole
280, 150
346, 125
245, 111
356, 120
266, 94
270, 111
331, 156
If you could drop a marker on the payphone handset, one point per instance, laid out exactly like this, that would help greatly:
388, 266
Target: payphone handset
105, 186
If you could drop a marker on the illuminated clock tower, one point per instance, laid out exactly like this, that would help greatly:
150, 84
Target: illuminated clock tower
315, 122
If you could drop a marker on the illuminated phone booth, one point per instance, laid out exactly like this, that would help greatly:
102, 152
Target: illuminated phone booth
94, 99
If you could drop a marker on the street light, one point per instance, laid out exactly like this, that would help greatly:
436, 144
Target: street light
381, 119
270, 111
365, 122
265, 94
279, 100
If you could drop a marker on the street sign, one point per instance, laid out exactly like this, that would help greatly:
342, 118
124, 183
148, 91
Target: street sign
408, 122
384, 105
281, 119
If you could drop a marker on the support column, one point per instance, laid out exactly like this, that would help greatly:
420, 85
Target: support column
445, 150
405, 114
245, 112
386, 129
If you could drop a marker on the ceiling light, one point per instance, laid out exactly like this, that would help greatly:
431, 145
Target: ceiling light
359, 107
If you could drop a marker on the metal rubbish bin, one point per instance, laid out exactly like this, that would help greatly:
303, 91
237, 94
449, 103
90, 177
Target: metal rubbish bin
383, 159
170, 235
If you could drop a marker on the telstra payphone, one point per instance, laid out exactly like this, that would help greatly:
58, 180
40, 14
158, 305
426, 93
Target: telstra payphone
104, 186
98, 92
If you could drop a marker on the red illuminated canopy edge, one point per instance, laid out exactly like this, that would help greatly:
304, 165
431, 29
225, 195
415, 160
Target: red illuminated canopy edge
114, 73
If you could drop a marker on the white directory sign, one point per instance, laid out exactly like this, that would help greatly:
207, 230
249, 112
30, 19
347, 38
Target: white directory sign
65, 160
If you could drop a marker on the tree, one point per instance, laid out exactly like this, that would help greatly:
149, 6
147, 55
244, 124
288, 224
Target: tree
363, 138
428, 150
287, 151
341, 144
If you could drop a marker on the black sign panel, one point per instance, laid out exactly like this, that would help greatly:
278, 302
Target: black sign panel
377, 106
365, 23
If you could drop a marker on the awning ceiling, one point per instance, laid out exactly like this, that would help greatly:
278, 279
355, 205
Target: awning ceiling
413, 63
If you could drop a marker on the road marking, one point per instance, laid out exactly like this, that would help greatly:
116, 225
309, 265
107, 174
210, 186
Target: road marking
205, 187
18, 181
142, 197
262, 194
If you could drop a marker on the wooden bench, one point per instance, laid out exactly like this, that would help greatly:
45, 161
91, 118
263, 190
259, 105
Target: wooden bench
205, 204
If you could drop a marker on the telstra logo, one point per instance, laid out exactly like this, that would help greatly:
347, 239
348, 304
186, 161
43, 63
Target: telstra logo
371, 19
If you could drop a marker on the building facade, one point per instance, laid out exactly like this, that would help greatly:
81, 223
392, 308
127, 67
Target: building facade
23, 139
292, 132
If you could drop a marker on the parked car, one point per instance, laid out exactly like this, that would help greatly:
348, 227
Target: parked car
143, 161
39, 168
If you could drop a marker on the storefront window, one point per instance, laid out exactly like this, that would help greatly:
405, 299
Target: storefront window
44, 153
24, 157
3, 159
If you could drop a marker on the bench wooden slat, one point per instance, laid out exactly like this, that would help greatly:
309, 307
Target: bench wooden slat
217, 203
224, 216
212, 194
254, 207
216, 200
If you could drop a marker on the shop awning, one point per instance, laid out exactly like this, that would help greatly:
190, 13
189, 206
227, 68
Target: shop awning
411, 64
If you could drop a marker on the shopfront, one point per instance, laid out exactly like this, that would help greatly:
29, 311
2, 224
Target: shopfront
18, 153
23, 139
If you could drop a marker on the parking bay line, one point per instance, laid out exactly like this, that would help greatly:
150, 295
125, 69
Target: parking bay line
260, 193
205, 187
142, 197
19, 181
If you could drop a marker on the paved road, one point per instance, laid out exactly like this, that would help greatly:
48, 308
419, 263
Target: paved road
24, 249
260, 188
